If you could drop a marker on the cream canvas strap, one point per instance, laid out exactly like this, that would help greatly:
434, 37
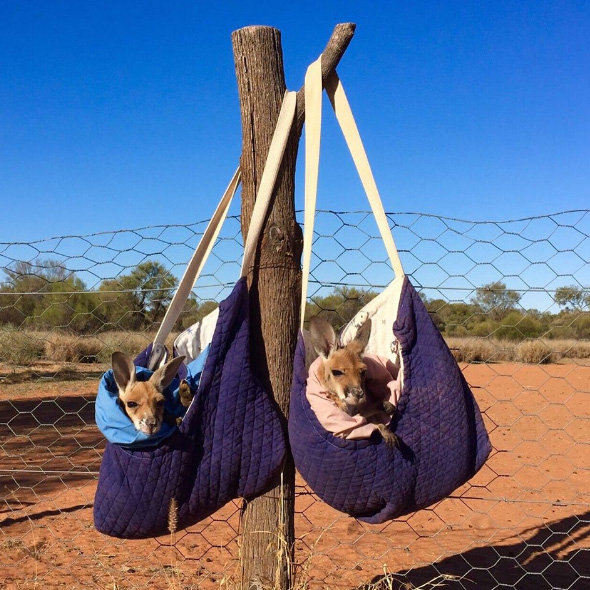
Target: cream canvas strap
313, 120
192, 271
274, 159
263, 197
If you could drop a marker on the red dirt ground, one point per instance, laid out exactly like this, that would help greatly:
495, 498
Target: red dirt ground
523, 521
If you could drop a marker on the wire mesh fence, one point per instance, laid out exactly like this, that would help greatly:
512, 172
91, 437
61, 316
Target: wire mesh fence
510, 297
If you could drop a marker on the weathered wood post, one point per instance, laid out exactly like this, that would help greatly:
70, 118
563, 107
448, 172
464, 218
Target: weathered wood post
274, 281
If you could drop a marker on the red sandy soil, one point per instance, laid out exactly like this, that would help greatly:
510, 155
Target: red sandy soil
523, 521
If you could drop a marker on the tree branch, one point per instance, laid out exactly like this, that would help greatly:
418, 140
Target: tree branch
331, 56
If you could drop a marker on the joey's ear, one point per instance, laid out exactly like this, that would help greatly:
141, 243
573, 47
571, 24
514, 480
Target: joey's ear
363, 334
323, 336
164, 375
123, 370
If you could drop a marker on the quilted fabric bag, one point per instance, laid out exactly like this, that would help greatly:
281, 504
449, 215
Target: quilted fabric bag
231, 442
442, 438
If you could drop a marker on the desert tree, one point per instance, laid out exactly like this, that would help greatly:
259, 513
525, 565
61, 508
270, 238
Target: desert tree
139, 299
495, 300
572, 298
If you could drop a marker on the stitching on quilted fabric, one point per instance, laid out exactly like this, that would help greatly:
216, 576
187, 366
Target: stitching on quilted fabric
243, 455
432, 408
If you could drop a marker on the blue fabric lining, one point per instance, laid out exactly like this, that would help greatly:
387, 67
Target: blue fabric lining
118, 428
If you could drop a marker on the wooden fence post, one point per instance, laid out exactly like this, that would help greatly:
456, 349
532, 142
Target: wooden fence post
274, 282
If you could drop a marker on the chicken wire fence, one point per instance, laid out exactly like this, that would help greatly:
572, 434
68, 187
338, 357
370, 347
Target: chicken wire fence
510, 297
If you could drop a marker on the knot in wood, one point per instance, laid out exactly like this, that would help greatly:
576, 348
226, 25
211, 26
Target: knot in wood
277, 237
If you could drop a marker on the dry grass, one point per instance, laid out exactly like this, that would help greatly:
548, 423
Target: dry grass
20, 348
390, 581
488, 350
535, 352
70, 349
24, 348
572, 349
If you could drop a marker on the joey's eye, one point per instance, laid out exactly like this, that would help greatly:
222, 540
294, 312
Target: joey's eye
363, 372
337, 373
160, 403
132, 404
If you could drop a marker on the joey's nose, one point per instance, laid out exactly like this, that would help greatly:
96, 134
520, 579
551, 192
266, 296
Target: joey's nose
355, 392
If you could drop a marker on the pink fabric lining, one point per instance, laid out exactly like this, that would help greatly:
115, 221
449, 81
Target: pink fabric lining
382, 381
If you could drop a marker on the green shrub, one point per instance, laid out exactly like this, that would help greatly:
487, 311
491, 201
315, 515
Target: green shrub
485, 329
456, 330
516, 326
582, 327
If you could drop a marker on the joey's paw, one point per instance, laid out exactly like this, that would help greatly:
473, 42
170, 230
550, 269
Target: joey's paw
389, 408
185, 394
390, 439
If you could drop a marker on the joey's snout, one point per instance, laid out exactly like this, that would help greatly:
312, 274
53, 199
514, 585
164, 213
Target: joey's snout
354, 394
353, 398
149, 425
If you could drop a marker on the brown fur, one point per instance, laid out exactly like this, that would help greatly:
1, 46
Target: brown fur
143, 401
342, 373
185, 394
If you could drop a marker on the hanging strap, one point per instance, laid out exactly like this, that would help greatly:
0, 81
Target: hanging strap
276, 151
192, 272
313, 119
199, 258
351, 133
313, 131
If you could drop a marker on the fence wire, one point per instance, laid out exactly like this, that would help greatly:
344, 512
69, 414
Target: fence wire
510, 297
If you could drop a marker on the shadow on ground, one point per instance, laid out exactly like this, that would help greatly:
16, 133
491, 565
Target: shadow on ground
554, 556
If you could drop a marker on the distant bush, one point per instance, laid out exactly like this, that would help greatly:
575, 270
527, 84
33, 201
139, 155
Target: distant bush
582, 327
456, 331
570, 326
517, 326
485, 329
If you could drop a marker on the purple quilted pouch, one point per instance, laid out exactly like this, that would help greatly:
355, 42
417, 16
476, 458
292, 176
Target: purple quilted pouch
443, 441
230, 444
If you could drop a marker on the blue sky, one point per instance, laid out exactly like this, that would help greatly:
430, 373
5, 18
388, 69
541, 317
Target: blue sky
125, 114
